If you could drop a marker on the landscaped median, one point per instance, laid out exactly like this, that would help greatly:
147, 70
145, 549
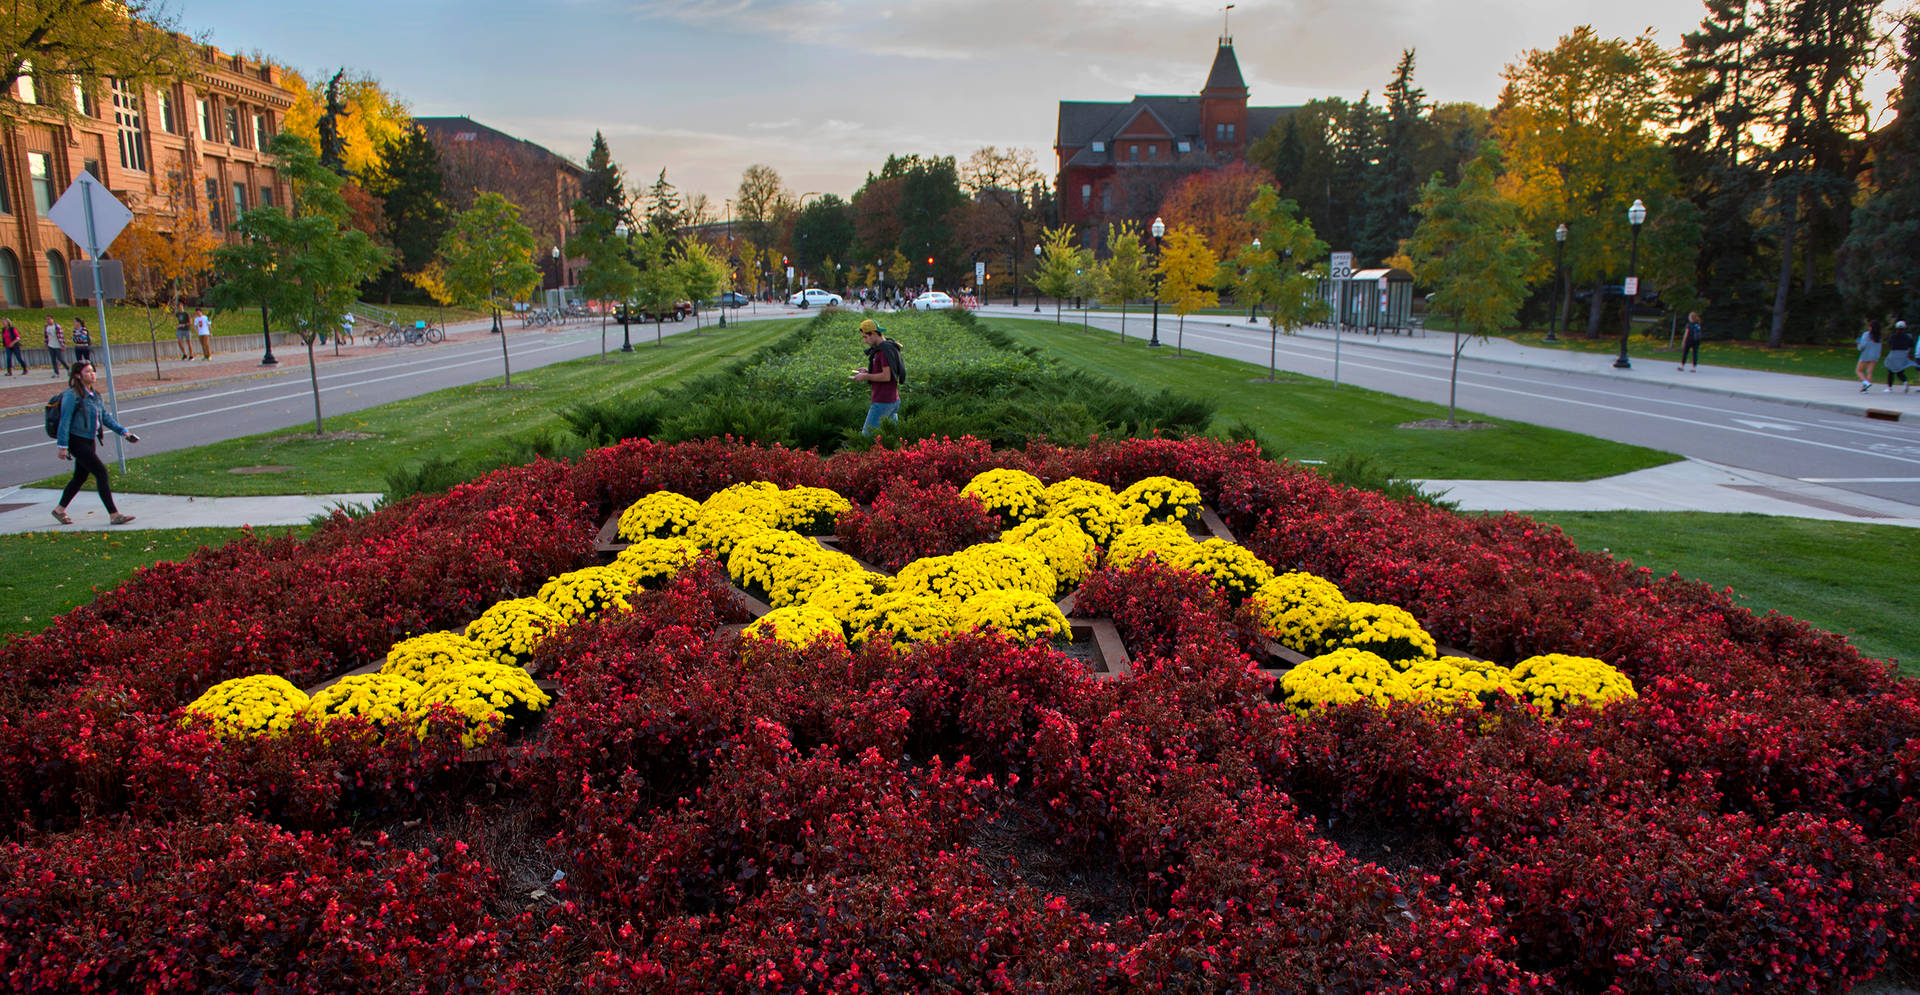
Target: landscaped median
1703, 801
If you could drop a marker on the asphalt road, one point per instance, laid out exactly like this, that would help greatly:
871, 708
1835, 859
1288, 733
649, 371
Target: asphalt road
1840, 450
1792, 440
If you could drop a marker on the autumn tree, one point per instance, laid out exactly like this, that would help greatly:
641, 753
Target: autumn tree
660, 289
700, 271
304, 263
1281, 272
1059, 258
1000, 184
1186, 271
1214, 204
55, 46
1472, 246
165, 249
371, 122
1123, 276
760, 202
488, 259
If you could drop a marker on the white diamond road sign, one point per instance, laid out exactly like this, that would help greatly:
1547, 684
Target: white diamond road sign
87, 201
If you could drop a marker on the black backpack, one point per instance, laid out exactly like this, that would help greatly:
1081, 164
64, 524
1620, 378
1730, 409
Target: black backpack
53, 415
893, 356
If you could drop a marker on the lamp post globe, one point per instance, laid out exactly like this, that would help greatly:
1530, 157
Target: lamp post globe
1158, 229
1036, 273
1630, 290
1253, 307
1559, 281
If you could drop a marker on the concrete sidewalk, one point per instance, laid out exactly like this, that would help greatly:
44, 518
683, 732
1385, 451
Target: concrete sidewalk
30, 509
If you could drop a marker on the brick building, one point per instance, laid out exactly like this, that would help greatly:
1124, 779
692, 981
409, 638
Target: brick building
203, 141
476, 159
1117, 161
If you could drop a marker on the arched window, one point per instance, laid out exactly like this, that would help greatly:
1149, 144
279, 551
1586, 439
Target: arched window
57, 278
9, 278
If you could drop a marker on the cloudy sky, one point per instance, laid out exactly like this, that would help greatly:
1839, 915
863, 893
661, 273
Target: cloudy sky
824, 90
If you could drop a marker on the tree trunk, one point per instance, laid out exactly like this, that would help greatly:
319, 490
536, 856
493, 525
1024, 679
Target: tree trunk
505, 366
313, 380
1453, 377
1123, 319
153, 345
603, 332
1789, 219
1594, 308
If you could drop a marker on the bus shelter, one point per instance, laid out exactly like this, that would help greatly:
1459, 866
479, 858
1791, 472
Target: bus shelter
1376, 300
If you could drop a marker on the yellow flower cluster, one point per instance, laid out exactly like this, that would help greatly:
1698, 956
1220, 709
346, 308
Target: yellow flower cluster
1067, 547
658, 515
252, 705
588, 591
906, 617
1458, 682
383, 699
419, 658
1024, 616
1342, 677
786, 565
1015, 495
849, 597
1233, 568
1557, 681
756, 499
510, 629
811, 510
1388, 630
1099, 515
1013, 567
798, 626
1162, 499
951, 578
487, 695
718, 531
1298, 610
1167, 542
1078, 487
651, 563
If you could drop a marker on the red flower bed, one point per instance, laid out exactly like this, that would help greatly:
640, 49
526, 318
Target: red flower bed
969, 815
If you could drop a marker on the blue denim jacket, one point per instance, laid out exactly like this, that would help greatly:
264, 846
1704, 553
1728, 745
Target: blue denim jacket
84, 413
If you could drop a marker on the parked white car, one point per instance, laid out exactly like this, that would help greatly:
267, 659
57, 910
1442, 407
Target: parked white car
933, 300
814, 297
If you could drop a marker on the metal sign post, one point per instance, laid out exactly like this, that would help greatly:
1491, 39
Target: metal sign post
1341, 269
93, 217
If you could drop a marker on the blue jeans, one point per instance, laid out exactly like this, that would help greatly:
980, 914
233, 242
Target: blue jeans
876, 412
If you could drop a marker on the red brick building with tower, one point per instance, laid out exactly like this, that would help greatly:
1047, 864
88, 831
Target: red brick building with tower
1117, 161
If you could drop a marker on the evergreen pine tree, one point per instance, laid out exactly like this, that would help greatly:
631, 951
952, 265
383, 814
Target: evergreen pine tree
1881, 255
414, 213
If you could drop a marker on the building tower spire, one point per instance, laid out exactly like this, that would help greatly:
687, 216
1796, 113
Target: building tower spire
1226, 36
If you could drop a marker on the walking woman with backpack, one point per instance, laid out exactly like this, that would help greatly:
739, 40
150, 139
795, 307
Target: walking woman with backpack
82, 418
10, 338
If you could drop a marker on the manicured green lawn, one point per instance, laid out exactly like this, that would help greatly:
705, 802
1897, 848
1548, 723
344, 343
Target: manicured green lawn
1649, 344
456, 423
1309, 419
1831, 574
52, 572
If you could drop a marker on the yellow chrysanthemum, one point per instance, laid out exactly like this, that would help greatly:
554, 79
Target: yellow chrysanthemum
1168, 542
658, 515
1233, 568
1298, 610
1388, 630
905, 617
757, 499
810, 510
1342, 677
588, 591
1023, 615
1014, 495
1099, 515
798, 626
949, 578
420, 657
260, 704
1078, 486
1162, 499
796, 577
511, 629
758, 557
383, 699
849, 597
653, 563
719, 529
1068, 549
1558, 681
1013, 567
1443, 682
491, 697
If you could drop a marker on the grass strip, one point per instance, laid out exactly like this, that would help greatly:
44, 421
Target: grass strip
49, 573
459, 423
1829, 574
1304, 418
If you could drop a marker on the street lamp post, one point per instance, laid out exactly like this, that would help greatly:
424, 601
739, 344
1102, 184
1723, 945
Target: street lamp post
1636, 216
1559, 281
266, 335
559, 271
1036, 275
1159, 228
1253, 306
624, 233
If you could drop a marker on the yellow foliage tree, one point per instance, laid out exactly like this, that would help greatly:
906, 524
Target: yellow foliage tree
163, 251
1186, 270
372, 120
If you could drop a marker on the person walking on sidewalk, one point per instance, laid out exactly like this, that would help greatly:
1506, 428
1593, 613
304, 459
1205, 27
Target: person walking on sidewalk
56, 346
1869, 343
81, 419
203, 327
1899, 357
10, 338
82, 342
1690, 342
181, 329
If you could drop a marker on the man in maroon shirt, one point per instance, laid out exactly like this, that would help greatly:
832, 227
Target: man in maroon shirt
883, 358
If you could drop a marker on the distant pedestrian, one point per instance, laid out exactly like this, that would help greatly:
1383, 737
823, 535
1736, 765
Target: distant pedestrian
1690, 343
881, 375
182, 329
203, 327
82, 342
82, 419
1869, 343
10, 339
56, 346
1899, 357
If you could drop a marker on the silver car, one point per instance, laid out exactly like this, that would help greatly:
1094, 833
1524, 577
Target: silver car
814, 297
